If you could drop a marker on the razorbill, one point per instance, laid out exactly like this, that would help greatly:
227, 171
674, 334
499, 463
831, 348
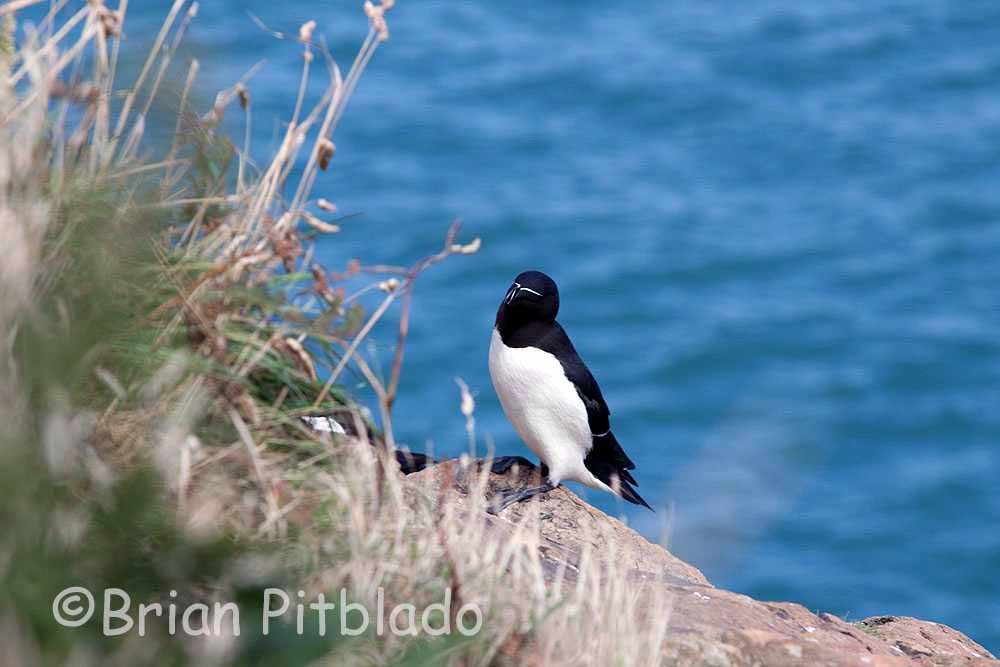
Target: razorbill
551, 398
409, 462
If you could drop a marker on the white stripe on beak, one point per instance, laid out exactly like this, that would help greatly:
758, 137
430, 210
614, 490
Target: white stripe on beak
511, 292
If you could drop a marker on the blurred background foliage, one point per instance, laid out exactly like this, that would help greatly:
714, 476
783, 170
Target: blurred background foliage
132, 346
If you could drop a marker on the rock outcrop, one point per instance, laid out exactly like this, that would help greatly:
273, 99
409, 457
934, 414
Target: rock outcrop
708, 625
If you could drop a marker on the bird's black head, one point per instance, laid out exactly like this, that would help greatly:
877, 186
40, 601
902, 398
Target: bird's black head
533, 297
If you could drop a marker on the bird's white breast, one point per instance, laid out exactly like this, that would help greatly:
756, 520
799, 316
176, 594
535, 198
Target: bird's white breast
543, 406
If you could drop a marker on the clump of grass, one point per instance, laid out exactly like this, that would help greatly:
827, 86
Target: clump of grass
165, 329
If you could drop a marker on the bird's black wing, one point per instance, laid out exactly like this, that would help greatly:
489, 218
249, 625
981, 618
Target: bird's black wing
606, 457
557, 343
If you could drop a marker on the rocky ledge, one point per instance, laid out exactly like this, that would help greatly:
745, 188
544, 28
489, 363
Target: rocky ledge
708, 625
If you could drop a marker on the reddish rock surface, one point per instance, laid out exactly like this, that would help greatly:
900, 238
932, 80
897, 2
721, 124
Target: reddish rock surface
708, 625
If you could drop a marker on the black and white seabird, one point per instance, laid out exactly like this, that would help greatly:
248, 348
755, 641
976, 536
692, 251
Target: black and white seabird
551, 398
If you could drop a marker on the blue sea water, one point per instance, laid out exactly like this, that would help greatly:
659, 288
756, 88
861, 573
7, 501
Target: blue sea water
776, 231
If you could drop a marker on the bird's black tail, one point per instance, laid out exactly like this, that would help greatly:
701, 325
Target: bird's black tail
609, 463
621, 481
631, 495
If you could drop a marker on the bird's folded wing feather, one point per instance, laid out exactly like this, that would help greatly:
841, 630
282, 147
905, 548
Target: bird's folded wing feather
605, 446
